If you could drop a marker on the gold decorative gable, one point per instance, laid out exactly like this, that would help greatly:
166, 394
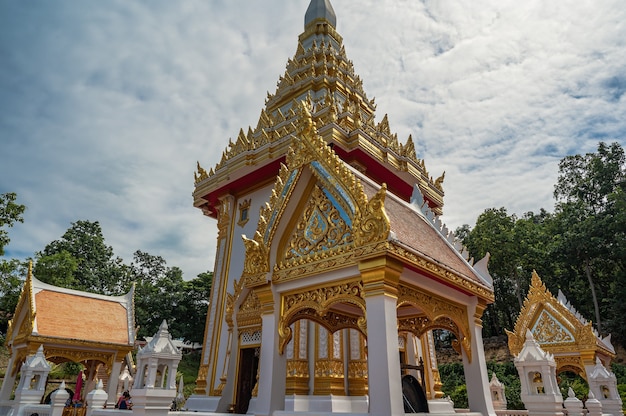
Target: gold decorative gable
548, 330
322, 227
26, 308
350, 207
554, 327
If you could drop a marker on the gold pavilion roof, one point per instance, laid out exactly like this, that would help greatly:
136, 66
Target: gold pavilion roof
45, 311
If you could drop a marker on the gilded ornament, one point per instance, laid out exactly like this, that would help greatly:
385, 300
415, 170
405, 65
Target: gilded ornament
442, 272
315, 305
249, 311
372, 225
439, 181
438, 311
322, 227
256, 261
556, 328
201, 174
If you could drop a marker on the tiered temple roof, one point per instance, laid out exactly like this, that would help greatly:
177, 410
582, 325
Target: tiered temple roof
321, 75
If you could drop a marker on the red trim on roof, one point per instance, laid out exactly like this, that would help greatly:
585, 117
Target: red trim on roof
262, 174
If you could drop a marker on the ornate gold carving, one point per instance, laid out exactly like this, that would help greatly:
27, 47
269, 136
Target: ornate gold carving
372, 225
256, 263
556, 328
439, 181
570, 363
439, 312
230, 307
326, 367
445, 274
201, 384
315, 305
223, 219
79, 356
548, 330
297, 368
341, 257
321, 228
25, 301
437, 385
201, 174
297, 376
329, 377
249, 311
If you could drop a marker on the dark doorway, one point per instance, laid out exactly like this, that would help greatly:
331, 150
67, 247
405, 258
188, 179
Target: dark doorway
248, 365
413, 395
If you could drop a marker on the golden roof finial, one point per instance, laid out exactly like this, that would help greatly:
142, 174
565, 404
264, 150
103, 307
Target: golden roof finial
201, 174
439, 181
304, 123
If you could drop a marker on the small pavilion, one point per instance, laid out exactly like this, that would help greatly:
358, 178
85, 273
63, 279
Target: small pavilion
94, 330
560, 330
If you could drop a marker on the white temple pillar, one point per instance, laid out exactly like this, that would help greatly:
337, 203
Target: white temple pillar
380, 282
272, 365
113, 382
478, 392
9, 380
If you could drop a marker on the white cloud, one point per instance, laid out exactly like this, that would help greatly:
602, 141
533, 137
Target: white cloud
106, 107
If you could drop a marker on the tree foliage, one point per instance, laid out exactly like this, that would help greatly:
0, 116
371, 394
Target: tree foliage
579, 249
10, 213
82, 260
162, 294
11, 280
10, 270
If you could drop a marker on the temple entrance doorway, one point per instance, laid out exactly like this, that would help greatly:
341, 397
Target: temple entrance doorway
248, 366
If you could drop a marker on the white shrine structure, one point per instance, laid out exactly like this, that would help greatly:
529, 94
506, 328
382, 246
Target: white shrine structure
70, 325
332, 265
560, 334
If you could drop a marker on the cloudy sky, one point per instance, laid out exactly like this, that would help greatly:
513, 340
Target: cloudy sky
105, 106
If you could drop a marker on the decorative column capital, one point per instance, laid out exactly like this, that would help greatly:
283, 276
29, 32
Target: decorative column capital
266, 298
380, 275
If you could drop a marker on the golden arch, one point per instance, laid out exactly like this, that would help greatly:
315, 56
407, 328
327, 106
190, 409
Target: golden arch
58, 355
316, 304
439, 314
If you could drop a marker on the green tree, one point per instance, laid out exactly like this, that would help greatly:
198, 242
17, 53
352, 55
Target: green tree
11, 282
158, 294
10, 213
11, 270
57, 269
590, 229
192, 311
517, 247
97, 269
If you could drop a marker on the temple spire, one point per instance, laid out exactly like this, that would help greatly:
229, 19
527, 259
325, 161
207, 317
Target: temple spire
320, 9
